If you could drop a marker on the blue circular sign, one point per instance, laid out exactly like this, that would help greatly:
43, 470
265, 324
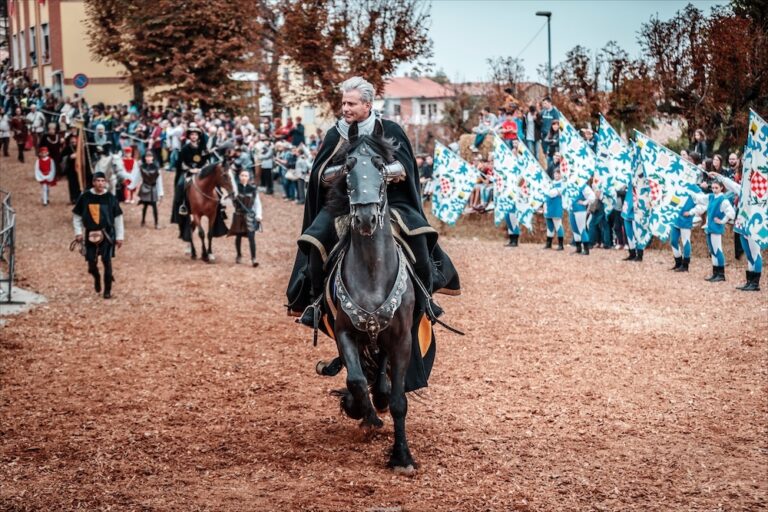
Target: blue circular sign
80, 81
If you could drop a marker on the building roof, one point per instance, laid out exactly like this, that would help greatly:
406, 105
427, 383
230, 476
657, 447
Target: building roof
398, 87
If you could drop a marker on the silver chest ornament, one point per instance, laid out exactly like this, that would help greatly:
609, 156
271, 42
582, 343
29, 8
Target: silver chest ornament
374, 322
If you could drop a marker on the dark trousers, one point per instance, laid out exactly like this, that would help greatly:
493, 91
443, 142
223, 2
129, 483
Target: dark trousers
738, 250
93, 269
4, 143
618, 227
74, 186
144, 212
301, 186
21, 151
251, 244
599, 229
266, 181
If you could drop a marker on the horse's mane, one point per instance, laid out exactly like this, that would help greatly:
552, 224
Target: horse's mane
207, 170
337, 200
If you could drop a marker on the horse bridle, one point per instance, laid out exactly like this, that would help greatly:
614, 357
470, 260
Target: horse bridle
392, 172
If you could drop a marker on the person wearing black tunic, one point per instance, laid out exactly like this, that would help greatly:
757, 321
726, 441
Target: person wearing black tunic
151, 190
247, 217
432, 266
98, 222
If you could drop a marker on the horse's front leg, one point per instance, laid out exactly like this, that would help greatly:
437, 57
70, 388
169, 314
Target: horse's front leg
401, 459
210, 244
201, 234
193, 252
356, 402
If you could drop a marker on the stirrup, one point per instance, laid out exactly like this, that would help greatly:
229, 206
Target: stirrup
311, 317
183, 210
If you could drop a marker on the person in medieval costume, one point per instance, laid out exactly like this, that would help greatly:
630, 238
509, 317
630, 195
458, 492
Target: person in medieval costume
719, 212
151, 189
45, 173
553, 209
431, 265
52, 140
98, 222
68, 163
748, 243
132, 175
110, 166
192, 158
247, 218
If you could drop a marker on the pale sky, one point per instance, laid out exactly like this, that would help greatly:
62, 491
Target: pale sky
467, 32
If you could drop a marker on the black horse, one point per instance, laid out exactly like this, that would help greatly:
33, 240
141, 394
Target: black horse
374, 292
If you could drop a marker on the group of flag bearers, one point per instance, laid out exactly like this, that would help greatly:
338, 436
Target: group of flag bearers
663, 196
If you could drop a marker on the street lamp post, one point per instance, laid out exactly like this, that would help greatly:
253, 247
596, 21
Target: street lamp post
548, 14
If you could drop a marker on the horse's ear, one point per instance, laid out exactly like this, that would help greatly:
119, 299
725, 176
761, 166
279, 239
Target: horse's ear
353, 131
378, 129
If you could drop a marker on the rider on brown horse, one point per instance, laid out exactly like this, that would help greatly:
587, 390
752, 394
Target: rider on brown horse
319, 237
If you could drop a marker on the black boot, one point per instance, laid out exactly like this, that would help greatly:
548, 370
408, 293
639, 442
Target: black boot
97, 281
108, 286
678, 263
578, 248
548, 244
94, 271
632, 255
754, 284
585, 249
683, 265
514, 240
638, 255
560, 244
749, 281
511, 242
718, 274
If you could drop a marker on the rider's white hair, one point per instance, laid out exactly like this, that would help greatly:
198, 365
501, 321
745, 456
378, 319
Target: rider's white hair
367, 91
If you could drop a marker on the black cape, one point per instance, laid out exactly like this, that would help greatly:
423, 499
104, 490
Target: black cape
414, 232
404, 198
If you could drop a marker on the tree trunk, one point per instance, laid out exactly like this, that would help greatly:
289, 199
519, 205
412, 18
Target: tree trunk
138, 94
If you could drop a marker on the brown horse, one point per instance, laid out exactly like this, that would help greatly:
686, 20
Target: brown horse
203, 201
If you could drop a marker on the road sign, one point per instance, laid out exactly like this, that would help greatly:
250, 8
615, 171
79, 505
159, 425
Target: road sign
80, 81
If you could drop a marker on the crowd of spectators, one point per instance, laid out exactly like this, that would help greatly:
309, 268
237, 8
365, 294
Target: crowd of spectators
277, 153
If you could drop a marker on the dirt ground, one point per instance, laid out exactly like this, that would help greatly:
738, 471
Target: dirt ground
582, 383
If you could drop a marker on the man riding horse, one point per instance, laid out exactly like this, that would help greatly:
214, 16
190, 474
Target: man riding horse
192, 158
412, 230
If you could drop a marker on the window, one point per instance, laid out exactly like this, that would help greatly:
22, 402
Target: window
44, 32
423, 109
286, 73
32, 45
14, 49
432, 109
23, 49
396, 109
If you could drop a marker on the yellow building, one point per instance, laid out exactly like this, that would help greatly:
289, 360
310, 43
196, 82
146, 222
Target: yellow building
49, 41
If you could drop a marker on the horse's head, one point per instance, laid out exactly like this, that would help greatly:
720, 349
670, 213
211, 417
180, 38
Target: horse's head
367, 166
221, 175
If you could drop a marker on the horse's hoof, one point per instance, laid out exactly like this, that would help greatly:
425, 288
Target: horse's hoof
320, 366
194, 256
370, 424
408, 470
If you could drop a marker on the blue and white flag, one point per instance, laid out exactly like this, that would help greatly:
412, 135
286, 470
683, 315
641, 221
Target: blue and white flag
519, 183
752, 220
670, 180
613, 162
454, 181
506, 174
577, 163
